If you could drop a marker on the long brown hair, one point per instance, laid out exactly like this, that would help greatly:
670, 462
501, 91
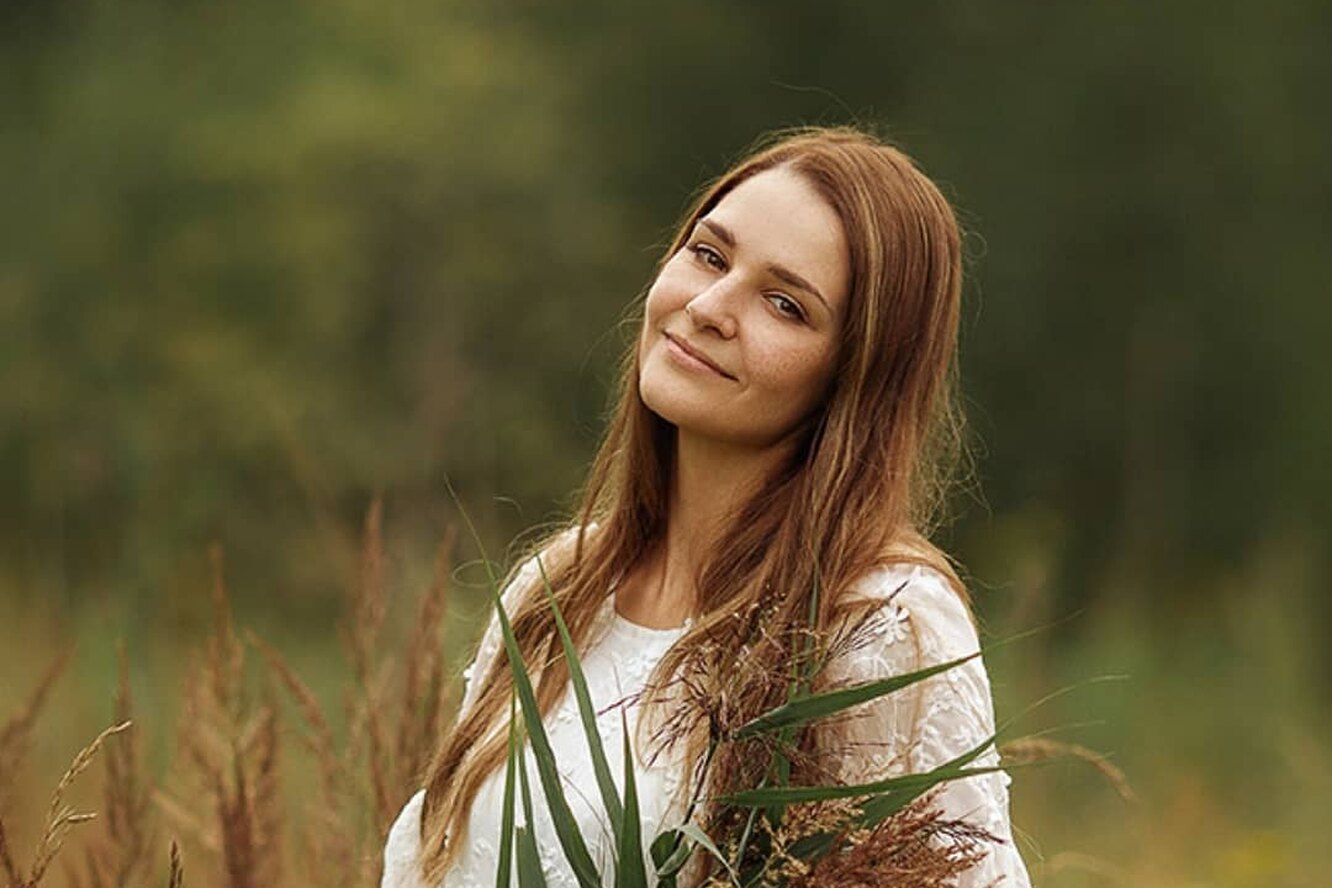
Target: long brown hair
864, 487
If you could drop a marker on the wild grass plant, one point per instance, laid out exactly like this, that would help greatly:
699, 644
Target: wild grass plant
230, 809
229, 801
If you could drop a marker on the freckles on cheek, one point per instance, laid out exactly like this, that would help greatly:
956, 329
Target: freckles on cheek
789, 365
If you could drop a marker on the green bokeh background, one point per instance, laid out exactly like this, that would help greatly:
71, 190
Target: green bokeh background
261, 261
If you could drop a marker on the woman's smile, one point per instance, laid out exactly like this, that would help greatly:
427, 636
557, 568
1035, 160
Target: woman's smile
693, 359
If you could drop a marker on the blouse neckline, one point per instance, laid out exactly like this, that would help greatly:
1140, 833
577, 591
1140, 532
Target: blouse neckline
628, 627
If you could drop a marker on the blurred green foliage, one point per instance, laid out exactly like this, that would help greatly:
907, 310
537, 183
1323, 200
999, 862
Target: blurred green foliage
259, 261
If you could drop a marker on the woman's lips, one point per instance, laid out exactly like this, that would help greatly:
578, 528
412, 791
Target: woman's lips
693, 357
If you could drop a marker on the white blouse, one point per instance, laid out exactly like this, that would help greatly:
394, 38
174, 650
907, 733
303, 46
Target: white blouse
920, 622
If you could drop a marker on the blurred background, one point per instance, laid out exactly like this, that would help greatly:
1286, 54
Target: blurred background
260, 262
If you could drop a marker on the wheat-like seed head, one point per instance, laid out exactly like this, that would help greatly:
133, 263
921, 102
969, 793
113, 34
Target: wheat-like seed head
176, 873
61, 817
1035, 749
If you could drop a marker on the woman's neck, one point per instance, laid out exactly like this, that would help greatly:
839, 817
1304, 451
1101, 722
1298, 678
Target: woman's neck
709, 482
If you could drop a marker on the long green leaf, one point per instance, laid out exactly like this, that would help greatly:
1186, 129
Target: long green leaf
817, 706
886, 804
703, 840
747, 833
609, 795
566, 827
530, 874
663, 846
878, 809
954, 769
504, 871
529, 861
629, 871
670, 852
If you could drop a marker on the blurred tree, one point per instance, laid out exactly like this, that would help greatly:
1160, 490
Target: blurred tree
260, 260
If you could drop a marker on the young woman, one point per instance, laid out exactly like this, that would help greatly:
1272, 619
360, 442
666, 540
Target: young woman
784, 430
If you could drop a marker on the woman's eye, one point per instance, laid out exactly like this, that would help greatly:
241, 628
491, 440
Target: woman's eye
787, 306
709, 256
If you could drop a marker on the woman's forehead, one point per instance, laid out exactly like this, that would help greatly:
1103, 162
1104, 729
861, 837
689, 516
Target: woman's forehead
777, 217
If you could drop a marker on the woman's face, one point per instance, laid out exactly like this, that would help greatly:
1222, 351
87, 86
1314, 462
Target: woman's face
739, 342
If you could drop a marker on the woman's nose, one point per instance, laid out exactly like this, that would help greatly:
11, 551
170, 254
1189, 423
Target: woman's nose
714, 309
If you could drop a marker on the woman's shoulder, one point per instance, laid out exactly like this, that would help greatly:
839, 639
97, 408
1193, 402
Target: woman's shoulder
906, 573
914, 603
554, 548
543, 558
402, 849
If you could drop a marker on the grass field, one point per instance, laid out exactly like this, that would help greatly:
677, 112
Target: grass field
276, 752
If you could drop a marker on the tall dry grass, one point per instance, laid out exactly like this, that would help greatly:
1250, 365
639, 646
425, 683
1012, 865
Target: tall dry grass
229, 800
232, 804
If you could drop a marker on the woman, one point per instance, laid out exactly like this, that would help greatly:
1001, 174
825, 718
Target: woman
784, 428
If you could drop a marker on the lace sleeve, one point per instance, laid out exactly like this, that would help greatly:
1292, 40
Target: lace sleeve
921, 622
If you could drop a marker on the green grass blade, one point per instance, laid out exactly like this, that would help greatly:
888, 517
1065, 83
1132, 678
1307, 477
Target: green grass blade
609, 795
954, 769
529, 859
791, 795
886, 804
704, 841
504, 872
817, 706
666, 847
670, 852
762, 841
566, 828
629, 871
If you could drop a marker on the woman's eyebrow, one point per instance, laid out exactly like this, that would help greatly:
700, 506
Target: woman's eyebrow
721, 231
787, 275
780, 272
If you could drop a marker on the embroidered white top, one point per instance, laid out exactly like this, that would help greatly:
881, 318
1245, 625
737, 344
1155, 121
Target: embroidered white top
919, 623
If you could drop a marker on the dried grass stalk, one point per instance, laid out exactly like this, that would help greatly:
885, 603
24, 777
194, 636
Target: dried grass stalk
423, 683
185, 820
13, 878
16, 732
226, 658
60, 818
319, 739
369, 600
226, 792
1026, 750
918, 847
175, 872
229, 750
127, 797
121, 855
